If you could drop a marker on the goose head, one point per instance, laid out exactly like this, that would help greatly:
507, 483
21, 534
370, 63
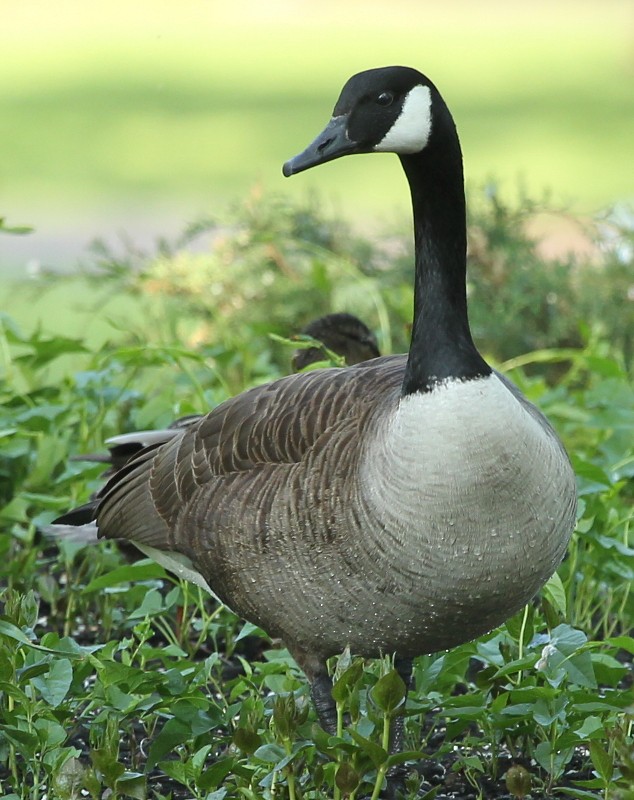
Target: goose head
387, 110
342, 333
399, 110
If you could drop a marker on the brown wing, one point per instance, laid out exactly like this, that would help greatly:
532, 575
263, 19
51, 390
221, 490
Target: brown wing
278, 423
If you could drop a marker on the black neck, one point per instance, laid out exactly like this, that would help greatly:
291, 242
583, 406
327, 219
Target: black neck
441, 347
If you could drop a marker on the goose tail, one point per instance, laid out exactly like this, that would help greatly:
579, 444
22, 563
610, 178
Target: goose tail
85, 534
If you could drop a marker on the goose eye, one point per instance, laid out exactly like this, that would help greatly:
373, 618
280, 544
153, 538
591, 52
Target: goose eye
385, 99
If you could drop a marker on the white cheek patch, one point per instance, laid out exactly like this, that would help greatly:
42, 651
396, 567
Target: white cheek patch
410, 133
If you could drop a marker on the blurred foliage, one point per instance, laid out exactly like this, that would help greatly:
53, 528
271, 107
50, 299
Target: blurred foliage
273, 266
16, 229
522, 301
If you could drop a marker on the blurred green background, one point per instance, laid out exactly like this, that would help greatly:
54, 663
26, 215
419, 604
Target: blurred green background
141, 116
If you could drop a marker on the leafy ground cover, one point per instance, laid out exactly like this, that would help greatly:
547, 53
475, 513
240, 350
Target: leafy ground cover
116, 677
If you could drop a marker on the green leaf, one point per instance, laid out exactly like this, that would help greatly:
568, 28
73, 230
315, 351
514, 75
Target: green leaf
347, 778
591, 725
347, 680
33, 670
270, 753
555, 593
551, 758
106, 763
403, 756
376, 753
608, 671
69, 779
592, 479
13, 632
129, 573
601, 760
247, 740
623, 642
389, 692
133, 784
564, 656
545, 713
25, 740
249, 629
513, 667
579, 794
45, 350
173, 733
54, 686
217, 795
216, 773
179, 771
284, 715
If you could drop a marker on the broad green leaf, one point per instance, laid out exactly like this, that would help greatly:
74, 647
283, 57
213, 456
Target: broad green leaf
54, 685
50, 732
389, 692
591, 725
347, 778
25, 740
347, 680
271, 753
45, 350
173, 733
516, 666
624, 642
247, 740
13, 632
141, 571
608, 671
564, 653
601, 760
69, 779
179, 771
376, 753
106, 763
403, 756
592, 479
249, 629
216, 773
219, 794
133, 784
545, 713
551, 758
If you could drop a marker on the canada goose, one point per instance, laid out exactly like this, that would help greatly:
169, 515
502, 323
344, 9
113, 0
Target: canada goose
343, 333
404, 505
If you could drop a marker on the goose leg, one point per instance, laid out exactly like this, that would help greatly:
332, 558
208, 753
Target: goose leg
404, 667
316, 671
325, 706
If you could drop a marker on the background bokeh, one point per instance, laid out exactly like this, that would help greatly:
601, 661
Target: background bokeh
139, 117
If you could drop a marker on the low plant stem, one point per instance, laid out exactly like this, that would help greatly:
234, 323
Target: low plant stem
339, 706
520, 646
385, 743
288, 770
290, 780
